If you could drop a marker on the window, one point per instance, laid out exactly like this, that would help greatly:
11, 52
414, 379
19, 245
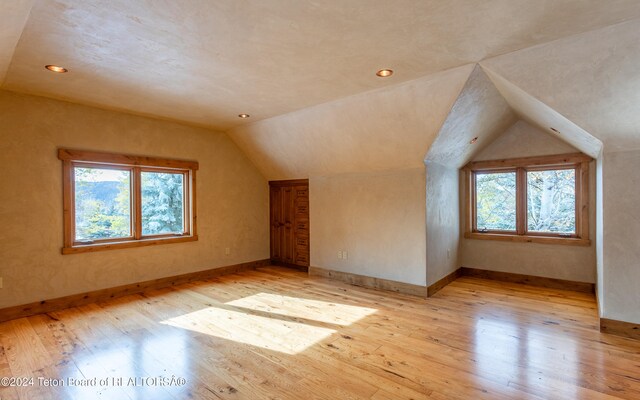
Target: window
115, 201
496, 201
534, 199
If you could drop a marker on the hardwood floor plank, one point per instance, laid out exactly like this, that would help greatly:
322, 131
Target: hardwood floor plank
6, 392
278, 333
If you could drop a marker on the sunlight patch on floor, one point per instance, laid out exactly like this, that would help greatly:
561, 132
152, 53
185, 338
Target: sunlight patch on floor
272, 333
321, 311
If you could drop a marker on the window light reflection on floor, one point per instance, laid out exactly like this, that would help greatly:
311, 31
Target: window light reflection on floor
274, 322
130, 357
504, 349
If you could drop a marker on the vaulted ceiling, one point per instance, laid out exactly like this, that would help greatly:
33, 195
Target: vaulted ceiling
305, 71
205, 62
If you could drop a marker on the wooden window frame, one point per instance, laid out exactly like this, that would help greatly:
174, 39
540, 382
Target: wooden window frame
576, 161
136, 165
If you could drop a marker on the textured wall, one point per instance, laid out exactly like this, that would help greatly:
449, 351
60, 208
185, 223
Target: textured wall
576, 263
232, 199
621, 232
443, 221
378, 218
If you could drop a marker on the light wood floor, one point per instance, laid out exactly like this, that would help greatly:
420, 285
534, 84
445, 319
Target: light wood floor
277, 334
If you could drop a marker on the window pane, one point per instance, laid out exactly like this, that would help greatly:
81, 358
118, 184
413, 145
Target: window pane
496, 201
551, 201
102, 203
162, 203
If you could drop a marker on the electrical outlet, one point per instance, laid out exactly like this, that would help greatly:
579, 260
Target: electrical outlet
227, 251
345, 255
340, 254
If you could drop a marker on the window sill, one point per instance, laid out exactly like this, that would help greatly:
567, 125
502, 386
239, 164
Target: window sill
528, 239
88, 248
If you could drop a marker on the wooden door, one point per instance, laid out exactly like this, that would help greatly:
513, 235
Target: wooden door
301, 225
289, 223
275, 205
287, 240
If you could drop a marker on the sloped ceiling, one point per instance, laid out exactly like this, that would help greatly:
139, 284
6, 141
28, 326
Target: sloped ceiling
305, 71
584, 86
521, 140
13, 17
591, 79
480, 111
545, 118
386, 129
488, 105
204, 62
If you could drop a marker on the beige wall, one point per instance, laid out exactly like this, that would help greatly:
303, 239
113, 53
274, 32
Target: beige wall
621, 275
576, 263
378, 218
232, 199
443, 221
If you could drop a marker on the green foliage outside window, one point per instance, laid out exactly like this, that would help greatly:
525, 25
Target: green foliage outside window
103, 203
496, 201
162, 203
551, 201
103, 206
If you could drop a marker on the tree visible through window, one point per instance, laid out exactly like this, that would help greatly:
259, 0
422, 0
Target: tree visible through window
536, 197
496, 201
551, 201
162, 203
113, 201
102, 203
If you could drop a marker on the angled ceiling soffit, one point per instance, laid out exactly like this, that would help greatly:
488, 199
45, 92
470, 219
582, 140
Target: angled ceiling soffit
481, 112
386, 129
13, 18
539, 114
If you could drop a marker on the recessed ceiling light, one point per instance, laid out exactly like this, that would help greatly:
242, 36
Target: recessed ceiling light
244, 115
56, 68
383, 73
474, 140
554, 129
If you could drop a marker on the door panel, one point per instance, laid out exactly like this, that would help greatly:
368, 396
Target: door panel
275, 201
287, 231
289, 222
